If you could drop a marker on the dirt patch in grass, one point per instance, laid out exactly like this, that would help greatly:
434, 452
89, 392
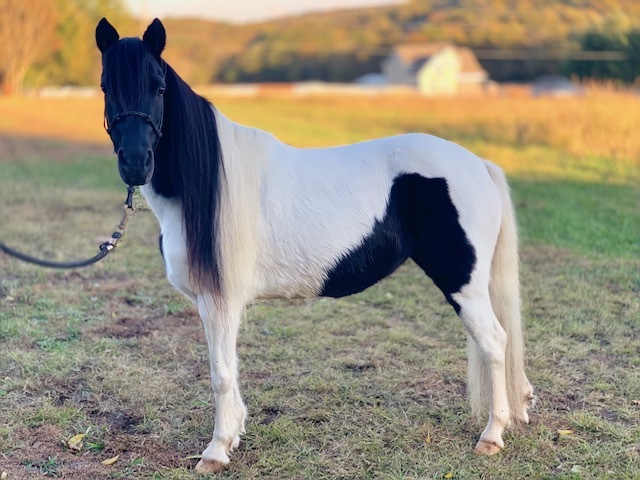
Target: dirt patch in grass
116, 421
184, 325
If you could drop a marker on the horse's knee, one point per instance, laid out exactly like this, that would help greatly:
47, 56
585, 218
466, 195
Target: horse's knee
484, 328
494, 348
222, 382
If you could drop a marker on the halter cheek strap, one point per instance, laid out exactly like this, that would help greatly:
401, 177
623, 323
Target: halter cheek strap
157, 128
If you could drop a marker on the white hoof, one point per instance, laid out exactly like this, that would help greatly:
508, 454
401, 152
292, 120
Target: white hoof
210, 466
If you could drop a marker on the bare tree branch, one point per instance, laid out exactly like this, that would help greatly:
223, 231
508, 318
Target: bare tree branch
27, 33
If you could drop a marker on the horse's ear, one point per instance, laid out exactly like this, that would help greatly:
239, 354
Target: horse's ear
106, 35
155, 37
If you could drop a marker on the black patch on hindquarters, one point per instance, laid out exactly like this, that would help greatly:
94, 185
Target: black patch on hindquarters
439, 244
160, 245
421, 222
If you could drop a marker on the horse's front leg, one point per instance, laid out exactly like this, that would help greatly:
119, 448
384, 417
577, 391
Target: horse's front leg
221, 327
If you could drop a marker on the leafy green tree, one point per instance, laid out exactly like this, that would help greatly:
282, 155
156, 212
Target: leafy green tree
626, 69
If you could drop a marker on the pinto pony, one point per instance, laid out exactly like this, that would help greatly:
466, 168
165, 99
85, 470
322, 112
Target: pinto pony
244, 216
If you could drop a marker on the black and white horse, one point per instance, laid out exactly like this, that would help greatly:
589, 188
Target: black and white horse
244, 216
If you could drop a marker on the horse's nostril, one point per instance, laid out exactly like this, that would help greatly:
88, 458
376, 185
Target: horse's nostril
121, 157
149, 158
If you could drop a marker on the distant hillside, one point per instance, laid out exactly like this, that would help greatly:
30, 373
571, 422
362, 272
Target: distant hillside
340, 45
200, 49
331, 46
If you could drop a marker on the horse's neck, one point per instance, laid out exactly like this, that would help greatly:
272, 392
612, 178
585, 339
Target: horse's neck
243, 145
246, 153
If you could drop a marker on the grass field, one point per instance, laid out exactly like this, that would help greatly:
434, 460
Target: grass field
367, 387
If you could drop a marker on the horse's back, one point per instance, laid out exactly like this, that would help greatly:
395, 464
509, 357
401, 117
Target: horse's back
373, 165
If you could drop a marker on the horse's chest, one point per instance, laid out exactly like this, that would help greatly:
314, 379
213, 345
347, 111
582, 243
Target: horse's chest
172, 241
173, 249
174, 254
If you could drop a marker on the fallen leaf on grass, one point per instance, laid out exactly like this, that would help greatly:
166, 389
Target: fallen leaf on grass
427, 439
75, 442
110, 461
448, 475
193, 457
4, 476
565, 432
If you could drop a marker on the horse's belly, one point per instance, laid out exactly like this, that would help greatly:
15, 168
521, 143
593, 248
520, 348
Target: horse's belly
379, 255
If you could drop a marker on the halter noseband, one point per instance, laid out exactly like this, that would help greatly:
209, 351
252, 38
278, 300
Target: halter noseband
110, 122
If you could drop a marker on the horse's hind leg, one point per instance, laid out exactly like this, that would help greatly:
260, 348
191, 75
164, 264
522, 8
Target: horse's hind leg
221, 327
482, 325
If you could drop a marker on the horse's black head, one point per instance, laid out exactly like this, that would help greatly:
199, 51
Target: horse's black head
133, 81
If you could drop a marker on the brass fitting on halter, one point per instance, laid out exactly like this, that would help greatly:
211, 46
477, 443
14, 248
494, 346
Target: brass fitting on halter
129, 201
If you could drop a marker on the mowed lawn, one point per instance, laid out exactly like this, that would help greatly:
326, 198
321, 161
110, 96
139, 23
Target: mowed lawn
367, 387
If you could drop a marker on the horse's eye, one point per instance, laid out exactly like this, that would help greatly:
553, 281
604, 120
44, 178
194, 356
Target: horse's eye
162, 89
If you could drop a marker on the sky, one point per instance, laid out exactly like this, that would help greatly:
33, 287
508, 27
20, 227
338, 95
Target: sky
241, 11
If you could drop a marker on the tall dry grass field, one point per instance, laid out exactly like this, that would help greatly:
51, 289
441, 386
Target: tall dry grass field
368, 387
599, 125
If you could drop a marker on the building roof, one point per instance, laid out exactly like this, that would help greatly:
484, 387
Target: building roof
411, 53
468, 60
416, 54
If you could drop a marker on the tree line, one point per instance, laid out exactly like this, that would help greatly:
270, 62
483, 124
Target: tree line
50, 42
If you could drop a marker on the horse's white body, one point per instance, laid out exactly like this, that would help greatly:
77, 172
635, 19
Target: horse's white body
275, 190
289, 215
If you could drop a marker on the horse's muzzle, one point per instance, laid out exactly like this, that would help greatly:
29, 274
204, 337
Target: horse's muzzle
135, 166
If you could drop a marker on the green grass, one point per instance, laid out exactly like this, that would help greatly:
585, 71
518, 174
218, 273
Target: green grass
83, 172
595, 219
368, 387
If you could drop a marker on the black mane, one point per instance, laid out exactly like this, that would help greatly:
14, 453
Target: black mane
189, 166
188, 158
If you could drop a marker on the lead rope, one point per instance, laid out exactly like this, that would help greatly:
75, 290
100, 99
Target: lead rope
106, 248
